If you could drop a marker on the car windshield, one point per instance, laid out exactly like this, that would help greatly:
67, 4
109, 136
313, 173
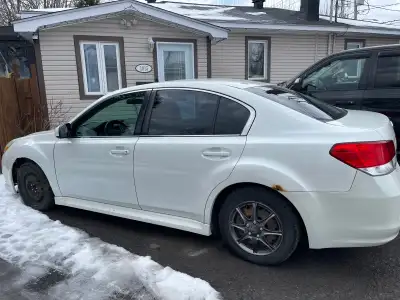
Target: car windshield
306, 105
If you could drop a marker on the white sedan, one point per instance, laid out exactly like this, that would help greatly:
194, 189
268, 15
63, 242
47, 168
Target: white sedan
263, 166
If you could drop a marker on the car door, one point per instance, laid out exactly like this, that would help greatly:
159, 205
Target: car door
340, 81
383, 92
96, 162
193, 141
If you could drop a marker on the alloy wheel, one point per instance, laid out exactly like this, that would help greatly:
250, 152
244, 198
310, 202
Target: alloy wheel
256, 228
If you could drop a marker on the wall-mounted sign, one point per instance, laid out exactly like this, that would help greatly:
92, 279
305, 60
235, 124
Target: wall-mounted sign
143, 68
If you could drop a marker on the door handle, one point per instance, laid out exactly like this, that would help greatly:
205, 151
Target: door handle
119, 152
346, 102
217, 152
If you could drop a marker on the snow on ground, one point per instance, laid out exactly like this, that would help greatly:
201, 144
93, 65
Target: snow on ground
93, 269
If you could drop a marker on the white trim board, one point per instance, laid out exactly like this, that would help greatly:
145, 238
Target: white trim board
32, 24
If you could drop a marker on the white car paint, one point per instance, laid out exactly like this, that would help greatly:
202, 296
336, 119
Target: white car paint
169, 181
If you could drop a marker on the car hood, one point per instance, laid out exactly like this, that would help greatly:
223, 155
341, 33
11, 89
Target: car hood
44, 136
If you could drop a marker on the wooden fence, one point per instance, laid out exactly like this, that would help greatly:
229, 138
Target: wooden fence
21, 109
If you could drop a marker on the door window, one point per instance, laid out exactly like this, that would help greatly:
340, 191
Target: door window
115, 117
341, 74
388, 72
183, 112
175, 61
231, 117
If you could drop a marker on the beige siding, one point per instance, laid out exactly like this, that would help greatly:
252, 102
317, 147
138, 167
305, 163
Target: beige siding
369, 41
289, 55
58, 55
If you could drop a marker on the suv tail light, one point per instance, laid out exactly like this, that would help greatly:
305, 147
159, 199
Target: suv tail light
373, 158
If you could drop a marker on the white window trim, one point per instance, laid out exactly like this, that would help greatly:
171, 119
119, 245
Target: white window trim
265, 42
160, 55
100, 65
359, 44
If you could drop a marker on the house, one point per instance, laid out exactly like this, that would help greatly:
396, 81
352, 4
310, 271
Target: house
90, 51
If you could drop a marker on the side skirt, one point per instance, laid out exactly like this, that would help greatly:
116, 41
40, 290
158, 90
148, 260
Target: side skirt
137, 215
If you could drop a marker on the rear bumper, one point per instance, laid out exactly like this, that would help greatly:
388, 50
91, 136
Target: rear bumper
367, 215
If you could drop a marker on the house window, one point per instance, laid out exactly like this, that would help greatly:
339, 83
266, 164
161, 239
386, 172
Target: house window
101, 67
100, 64
257, 58
175, 59
354, 44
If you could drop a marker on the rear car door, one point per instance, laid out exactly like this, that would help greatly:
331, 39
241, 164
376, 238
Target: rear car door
192, 140
383, 92
339, 81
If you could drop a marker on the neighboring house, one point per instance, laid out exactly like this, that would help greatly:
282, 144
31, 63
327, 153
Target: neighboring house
90, 51
16, 51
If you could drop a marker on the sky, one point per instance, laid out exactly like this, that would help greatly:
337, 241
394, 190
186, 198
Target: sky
372, 10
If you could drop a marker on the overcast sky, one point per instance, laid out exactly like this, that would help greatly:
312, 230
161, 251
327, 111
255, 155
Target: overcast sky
379, 10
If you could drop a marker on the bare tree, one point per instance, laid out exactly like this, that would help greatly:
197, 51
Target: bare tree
9, 9
42, 117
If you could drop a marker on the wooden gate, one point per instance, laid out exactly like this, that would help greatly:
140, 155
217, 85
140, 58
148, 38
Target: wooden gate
21, 110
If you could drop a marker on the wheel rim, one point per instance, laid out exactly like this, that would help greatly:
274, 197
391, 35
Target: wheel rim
256, 228
34, 187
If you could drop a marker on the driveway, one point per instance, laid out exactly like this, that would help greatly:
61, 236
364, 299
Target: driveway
364, 273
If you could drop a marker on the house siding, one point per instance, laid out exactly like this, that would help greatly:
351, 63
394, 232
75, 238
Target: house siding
59, 64
290, 53
369, 41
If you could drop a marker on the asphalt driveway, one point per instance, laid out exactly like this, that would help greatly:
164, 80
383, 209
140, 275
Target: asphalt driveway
363, 273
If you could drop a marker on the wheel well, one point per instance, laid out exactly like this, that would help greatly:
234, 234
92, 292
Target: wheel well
18, 163
222, 196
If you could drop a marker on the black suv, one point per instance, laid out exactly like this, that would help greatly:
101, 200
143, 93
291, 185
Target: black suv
365, 78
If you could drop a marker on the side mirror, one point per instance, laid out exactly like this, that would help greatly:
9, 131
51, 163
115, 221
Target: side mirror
297, 84
64, 131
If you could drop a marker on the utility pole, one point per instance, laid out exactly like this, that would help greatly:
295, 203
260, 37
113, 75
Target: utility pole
342, 7
355, 10
331, 11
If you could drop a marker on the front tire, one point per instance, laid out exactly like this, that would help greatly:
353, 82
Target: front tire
34, 187
259, 225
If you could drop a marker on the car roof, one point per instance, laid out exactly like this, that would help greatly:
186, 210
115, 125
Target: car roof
207, 84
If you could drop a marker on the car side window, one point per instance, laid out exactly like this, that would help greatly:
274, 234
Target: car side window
231, 117
115, 117
338, 75
387, 73
183, 112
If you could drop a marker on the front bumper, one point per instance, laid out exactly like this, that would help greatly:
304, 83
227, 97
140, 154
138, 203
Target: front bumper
6, 165
367, 215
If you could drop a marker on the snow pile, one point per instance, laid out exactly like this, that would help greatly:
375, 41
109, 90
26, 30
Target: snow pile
202, 12
93, 269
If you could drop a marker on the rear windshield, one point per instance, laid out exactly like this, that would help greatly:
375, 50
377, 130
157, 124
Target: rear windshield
306, 105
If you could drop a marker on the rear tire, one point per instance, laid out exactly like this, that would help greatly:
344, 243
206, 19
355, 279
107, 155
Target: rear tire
34, 187
245, 232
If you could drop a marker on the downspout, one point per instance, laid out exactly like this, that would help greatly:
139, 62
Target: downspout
329, 44
316, 48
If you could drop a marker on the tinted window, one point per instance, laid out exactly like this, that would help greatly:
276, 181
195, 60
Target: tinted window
115, 117
341, 74
303, 104
231, 117
388, 72
183, 112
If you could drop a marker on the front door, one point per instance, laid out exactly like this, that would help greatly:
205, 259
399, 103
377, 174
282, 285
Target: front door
189, 149
96, 163
383, 92
175, 61
340, 81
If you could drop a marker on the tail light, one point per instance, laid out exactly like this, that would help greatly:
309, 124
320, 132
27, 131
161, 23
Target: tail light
373, 158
